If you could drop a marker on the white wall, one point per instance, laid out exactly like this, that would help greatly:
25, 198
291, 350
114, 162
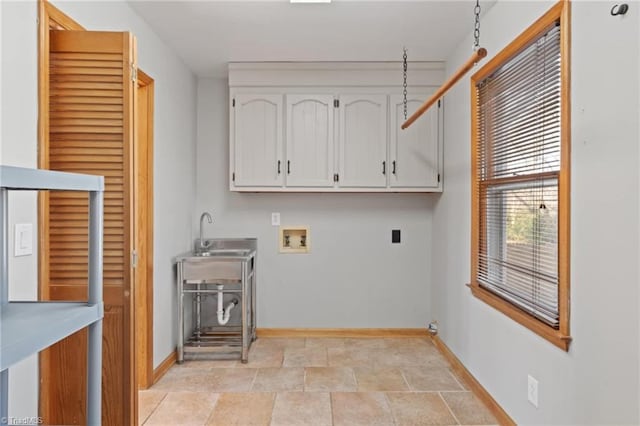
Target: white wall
353, 276
174, 156
18, 147
596, 382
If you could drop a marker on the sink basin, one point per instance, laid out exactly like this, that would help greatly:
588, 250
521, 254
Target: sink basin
213, 244
223, 252
222, 259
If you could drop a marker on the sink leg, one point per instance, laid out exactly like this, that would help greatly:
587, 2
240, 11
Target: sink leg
245, 326
198, 314
180, 348
254, 278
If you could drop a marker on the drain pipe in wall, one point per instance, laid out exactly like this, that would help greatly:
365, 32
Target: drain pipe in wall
433, 328
224, 314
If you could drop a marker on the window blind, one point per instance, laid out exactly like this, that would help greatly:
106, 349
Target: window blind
518, 164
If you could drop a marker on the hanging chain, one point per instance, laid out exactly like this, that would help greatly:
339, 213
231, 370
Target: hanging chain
404, 85
476, 30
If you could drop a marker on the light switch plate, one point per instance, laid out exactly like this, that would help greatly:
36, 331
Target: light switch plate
23, 237
532, 390
275, 219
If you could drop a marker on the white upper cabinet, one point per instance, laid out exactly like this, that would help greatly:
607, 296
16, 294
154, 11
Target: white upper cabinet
258, 145
310, 160
333, 127
415, 152
362, 141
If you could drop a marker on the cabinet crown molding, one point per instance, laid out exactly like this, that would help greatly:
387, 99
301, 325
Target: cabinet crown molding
358, 74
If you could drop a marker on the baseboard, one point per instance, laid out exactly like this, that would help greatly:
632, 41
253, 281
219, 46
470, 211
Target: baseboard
164, 366
473, 384
342, 332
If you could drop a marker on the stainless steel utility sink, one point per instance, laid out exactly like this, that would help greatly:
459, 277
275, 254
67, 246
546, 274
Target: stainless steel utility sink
216, 267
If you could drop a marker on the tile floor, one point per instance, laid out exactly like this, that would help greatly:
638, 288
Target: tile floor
317, 382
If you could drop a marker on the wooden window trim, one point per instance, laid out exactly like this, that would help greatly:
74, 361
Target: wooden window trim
560, 337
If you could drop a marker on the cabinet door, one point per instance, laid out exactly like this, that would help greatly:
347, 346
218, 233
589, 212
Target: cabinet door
363, 141
415, 155
310, 161
257, 141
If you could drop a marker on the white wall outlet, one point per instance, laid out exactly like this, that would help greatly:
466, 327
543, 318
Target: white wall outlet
275, 219
532, 390
23, 245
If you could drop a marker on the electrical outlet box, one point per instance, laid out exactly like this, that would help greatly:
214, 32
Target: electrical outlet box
395, 236
532, 390
294, 239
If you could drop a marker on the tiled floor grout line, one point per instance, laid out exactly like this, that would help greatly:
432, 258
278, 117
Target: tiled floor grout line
456, 379
331, 402
254, 380
154, 408
273, 405
304, 379
213, 407
331, 408
393, 415
355, 379
406, 381
449, 408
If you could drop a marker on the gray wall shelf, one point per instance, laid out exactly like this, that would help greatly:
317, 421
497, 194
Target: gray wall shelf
29, 327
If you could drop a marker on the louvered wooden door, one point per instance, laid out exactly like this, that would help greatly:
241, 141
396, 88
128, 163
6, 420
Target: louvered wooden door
91, 120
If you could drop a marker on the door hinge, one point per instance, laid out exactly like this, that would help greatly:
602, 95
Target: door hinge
233, 103
438, 103
336, 177
438, 177
134, 73
336, 103
233, 176
134, 259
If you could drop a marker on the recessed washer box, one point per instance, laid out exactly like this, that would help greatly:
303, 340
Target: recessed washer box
294, 239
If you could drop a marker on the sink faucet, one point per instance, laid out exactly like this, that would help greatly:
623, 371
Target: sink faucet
204, 244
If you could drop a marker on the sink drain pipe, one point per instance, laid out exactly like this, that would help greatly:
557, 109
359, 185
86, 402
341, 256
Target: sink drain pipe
224, 314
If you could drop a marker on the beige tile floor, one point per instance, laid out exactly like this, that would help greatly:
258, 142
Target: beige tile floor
317, 382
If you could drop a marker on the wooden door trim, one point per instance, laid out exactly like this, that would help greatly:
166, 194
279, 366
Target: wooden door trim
129, 92
144, 290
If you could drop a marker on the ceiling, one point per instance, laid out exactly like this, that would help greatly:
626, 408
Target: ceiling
209, 34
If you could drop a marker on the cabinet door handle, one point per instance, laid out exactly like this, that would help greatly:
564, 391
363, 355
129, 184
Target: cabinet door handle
278, 166
384, 167
288, 167
393, 164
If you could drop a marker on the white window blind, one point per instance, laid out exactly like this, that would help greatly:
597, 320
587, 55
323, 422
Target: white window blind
518, 166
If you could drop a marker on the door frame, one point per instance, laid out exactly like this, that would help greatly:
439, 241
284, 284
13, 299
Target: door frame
143, 229
50, 17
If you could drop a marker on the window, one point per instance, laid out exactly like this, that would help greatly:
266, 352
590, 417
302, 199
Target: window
520, 178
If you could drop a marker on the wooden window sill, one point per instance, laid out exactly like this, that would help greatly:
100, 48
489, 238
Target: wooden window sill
552, 335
